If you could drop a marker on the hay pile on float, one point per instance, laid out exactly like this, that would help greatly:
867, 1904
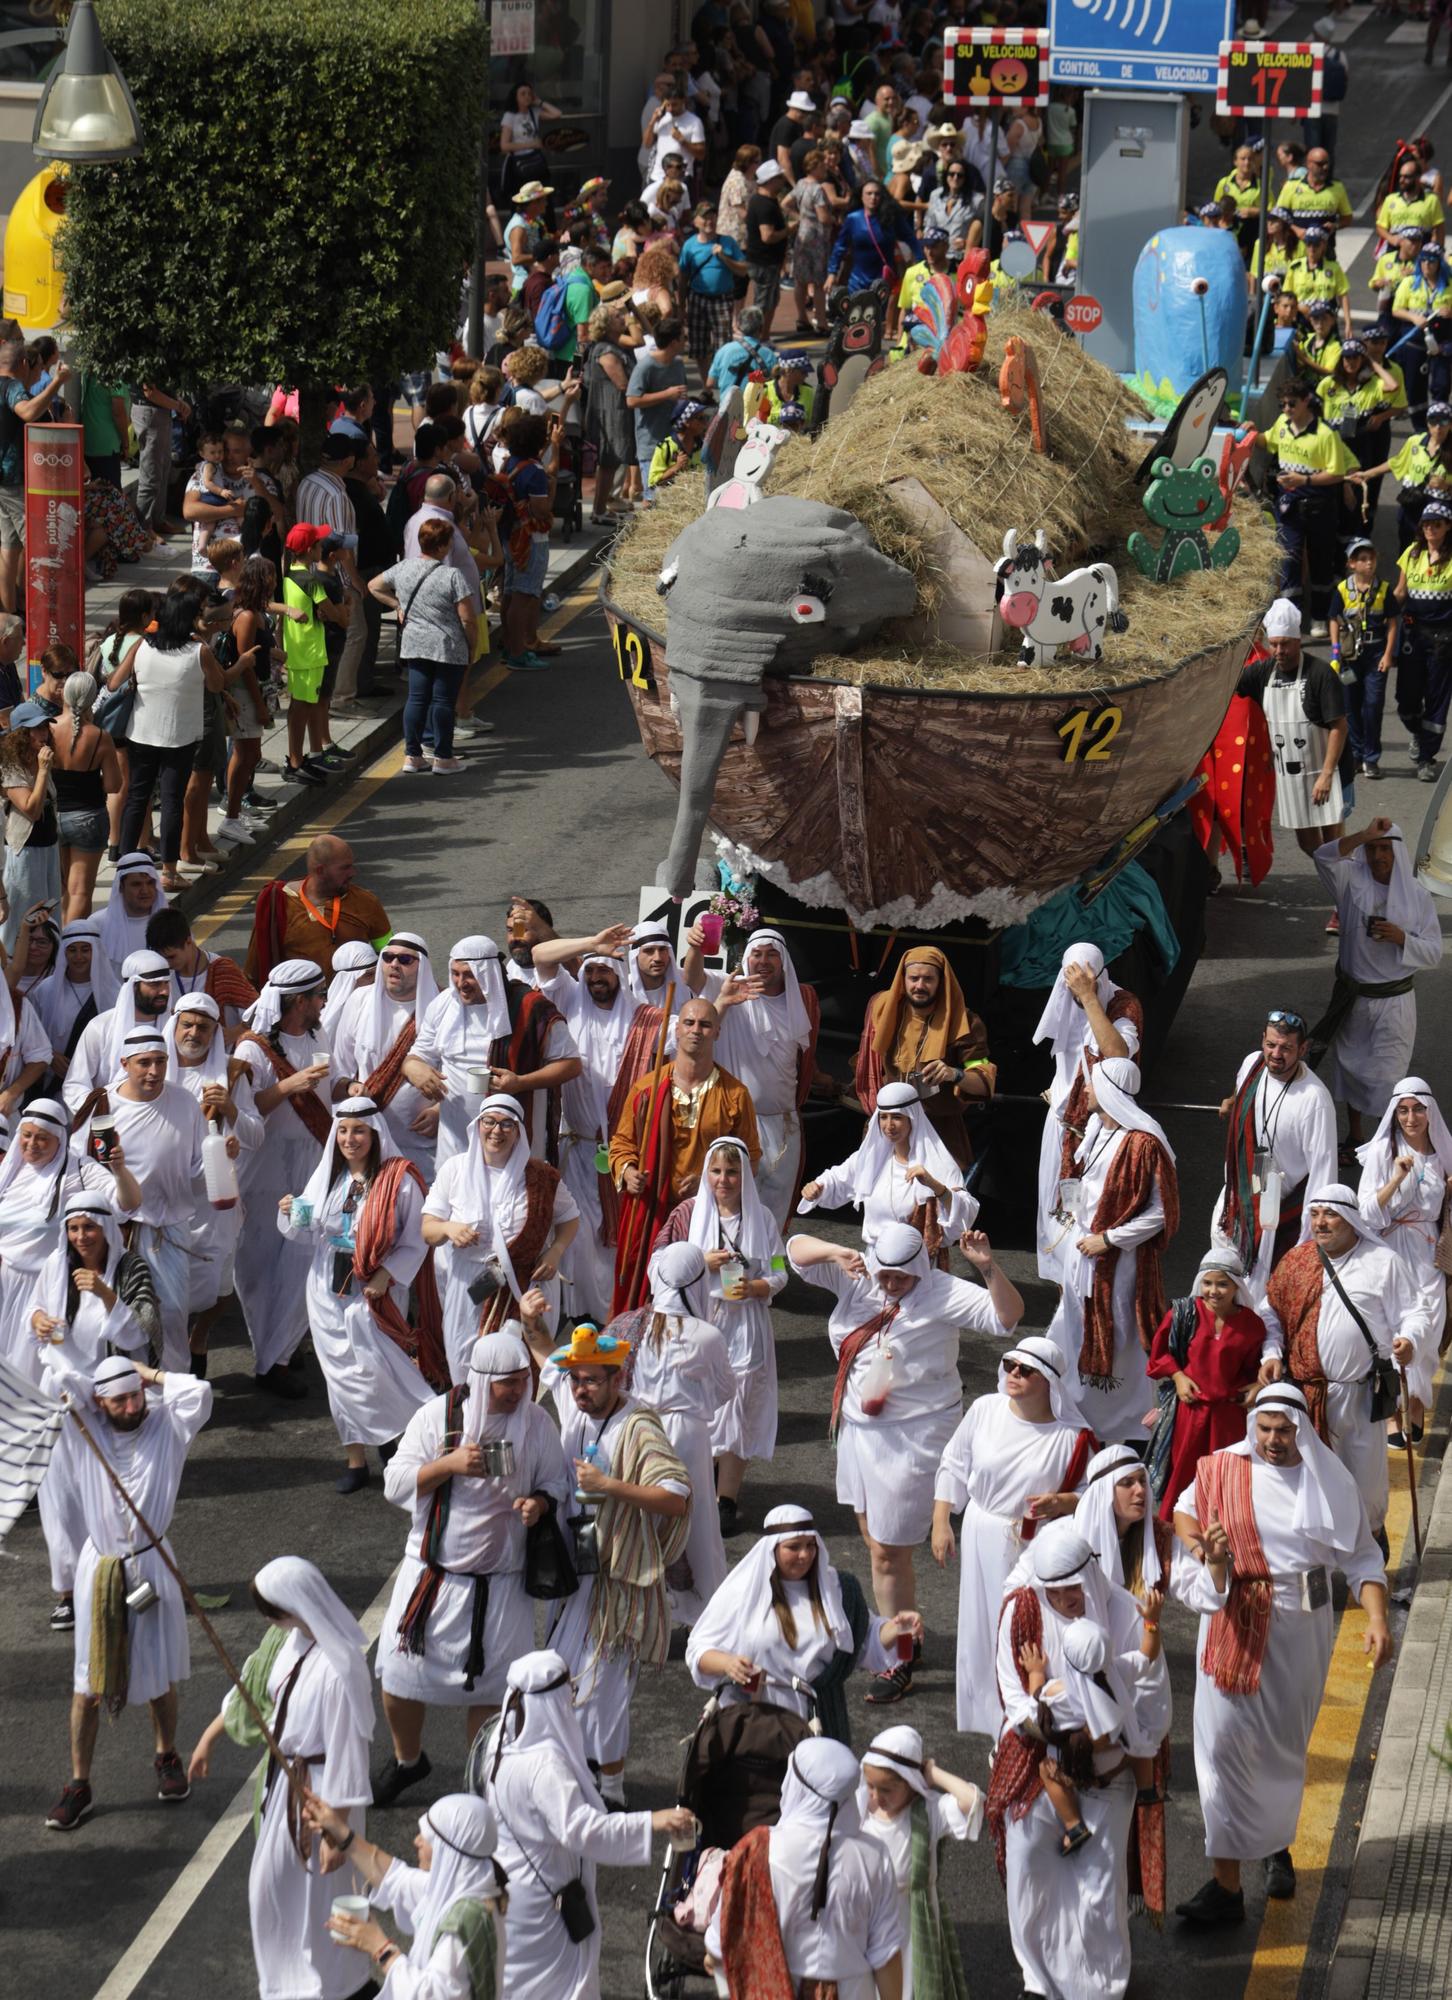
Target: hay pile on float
918, 773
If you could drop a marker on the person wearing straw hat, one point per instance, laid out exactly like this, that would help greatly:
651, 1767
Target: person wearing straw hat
1017, 1459
1405, 1169
309, 1679
1390, 931
1066, 1921
1086, 1018
142, 1423
557, 1830
452, 1902
1205, 1359
895, 1330
287, 1060
1128, 1206
1339, 1313
1291, 1514
636, 1494
911, 1806
459, 1613
811, 1901
375, 1031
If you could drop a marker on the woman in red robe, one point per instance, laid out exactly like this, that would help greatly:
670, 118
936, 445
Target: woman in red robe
1205, 1356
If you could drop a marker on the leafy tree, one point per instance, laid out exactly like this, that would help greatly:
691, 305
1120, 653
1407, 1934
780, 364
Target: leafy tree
303, 211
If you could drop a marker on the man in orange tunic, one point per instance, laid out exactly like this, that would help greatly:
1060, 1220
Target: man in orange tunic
658, 1147
920, 1031
311, 918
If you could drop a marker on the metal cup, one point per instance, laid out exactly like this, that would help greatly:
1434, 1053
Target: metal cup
141, 1597
498, 1457
480, 1082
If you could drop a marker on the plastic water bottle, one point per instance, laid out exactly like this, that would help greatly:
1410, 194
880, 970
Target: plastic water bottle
550, 601
590, 1454
218, 1170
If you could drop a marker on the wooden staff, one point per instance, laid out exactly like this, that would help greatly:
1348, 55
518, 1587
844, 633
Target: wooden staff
642, 1248
186, 1590
1406, 1414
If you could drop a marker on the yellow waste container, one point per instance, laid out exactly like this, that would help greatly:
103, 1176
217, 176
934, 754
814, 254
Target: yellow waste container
33, 281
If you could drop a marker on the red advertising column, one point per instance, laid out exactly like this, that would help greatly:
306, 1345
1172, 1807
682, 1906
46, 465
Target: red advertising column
55, 543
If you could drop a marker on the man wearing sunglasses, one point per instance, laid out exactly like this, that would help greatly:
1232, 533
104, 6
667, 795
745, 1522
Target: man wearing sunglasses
1280, 1138
376, 1029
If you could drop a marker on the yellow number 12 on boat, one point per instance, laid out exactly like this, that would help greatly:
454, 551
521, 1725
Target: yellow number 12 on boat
1087, 734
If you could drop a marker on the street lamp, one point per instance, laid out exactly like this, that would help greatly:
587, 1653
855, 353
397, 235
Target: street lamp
87, 114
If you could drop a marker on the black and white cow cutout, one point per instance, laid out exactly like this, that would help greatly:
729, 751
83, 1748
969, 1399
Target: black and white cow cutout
1050, 612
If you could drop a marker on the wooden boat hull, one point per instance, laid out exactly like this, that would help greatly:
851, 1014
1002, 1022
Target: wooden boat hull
903, 804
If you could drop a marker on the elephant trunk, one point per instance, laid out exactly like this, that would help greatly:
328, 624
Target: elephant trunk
707, 710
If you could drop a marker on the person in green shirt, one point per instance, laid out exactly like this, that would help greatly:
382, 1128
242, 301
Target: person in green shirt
582, 296
787, 384
1410, 202
1319, 276
1317, 197
1312, 462
1356, 400
1397, 261
1318, 351
106, 419
1282, 249
880, 120
1243, 186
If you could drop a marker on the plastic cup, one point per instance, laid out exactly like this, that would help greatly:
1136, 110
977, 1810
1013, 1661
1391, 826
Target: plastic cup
302, 1212
712, 926
683, 1843
722, 1989
905, 1647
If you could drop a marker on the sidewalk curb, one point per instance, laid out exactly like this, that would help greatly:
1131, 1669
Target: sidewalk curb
305, 801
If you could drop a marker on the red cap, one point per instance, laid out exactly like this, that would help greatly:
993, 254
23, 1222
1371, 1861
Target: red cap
304, 538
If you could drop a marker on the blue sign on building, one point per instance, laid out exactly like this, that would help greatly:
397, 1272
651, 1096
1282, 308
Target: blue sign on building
1170, 45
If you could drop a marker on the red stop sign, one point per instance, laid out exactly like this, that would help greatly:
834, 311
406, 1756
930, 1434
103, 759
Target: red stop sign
1083, 314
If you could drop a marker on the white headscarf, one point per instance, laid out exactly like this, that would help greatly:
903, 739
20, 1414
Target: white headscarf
475, 1198
1228, 1263
288, 979
757, 1016
745, 1596
1094, 1515
463, 1834
1387, 1141
481, 954
116, 924
655, 933
298, 1587
758, 1234
213, 1066
380, 1032
1046, 1358
1328, 1500
601, 1033
55, 1272
899, 1247
1064, 1023
1084, 1650
1062, 1555
1337, 1195
350, 962
330, 1165
898, 1750
675, 1274
1116, 1086
539, 1714
501, 1353
924, 1149
57, 1001
820, 1791
50, 1116
138, 965
1403, 900
115, 1376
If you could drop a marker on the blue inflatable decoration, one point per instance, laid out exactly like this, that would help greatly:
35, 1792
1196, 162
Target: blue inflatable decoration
1189, 313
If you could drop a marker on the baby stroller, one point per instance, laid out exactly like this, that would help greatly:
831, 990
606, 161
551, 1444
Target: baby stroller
731, 1778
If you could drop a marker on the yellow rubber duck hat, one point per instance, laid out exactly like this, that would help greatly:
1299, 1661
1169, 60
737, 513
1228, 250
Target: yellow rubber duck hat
590, 1348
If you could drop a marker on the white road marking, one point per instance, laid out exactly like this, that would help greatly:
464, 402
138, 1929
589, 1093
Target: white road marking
160, 1927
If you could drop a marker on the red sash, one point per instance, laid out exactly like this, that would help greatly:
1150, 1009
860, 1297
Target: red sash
383, 1085
1127, 1189
1295, 1293
1015, 1783
308, 1107
641, 1215
1085, 1446
852, 1346
525, 1249
377, 1233
751, 1945
1238, 1636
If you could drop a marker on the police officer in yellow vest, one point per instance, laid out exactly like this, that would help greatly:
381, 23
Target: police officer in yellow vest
1312, 461
1424, 591
1424, 467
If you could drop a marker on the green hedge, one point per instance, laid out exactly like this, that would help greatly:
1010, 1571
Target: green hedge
304, 209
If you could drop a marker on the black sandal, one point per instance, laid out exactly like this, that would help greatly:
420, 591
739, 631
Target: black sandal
1074, 1838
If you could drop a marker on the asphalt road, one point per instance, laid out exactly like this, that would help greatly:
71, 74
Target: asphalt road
152, 1899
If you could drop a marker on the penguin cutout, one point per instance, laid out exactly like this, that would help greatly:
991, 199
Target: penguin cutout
1186, 436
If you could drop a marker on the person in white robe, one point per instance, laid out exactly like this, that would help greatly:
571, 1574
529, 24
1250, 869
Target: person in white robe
310, 1679
37, 1175
459, 1613
554, 1828
598, 1011
635, 1493
653, 972
1017, 1459
197, 1063
479, 1204
355, 966
1115, 1517
1390, 931
161, 1128
452, 1903
1292, 1514
1280, 1140
899, 1168
1405, 1168
1068, 1922
907, 1798
768, 1034
136, 896
287, 1059
24, 1049
80, 985
727, 1221
142, 1422
92, 1297
373, 1020
374, 1388
837, 1908
1336, 1306
895, 1329
1113, 1399
1086, 1018
680, 1367
143, 1000
776, 1626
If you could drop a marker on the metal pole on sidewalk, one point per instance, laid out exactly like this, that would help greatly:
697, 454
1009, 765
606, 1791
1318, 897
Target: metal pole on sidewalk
475, 342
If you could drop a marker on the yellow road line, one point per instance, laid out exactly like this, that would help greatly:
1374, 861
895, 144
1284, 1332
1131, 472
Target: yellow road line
234, 901
1285, 1933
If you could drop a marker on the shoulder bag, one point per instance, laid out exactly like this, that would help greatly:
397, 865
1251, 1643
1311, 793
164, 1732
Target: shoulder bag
549, 1569
1385, 1387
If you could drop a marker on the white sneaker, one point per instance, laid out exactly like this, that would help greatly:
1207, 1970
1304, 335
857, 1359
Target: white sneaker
417, 764
236, 832
449, 764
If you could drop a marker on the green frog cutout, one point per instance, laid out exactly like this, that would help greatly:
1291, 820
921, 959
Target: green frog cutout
1181, 499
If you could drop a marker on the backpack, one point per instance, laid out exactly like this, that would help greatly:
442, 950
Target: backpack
400, 508
552, 324
1333, 78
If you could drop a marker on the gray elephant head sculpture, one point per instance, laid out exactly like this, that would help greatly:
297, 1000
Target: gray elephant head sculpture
755, 591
